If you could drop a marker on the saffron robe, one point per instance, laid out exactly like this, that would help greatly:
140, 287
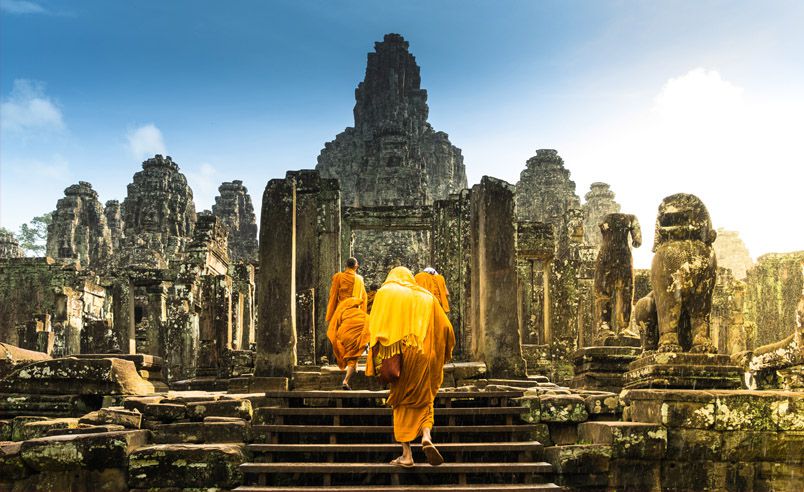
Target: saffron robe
437, 286
346, 314
408, 319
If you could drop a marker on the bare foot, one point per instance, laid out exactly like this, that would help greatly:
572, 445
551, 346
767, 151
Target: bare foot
401, 461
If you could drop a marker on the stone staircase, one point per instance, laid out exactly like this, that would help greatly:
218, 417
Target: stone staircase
329, 441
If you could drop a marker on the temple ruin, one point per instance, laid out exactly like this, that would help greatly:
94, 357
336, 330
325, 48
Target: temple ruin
156, 347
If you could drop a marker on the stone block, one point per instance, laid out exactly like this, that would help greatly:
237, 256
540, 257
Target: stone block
627, 439
92, 451
221, 408
563, 433
86, 429
17, 433
164, 412
138, 402
542, 434
33, 430
715, 476
693, 444
683, 370
11, 465
5, 430
130, 419
579, 459
202, 432
780, 447
186, 466
16, 404
778, 477
108, 480
635, 475
533, 404
563, 408
672, 408
71, 376
603, 404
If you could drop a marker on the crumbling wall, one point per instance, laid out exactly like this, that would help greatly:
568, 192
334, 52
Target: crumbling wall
773, 289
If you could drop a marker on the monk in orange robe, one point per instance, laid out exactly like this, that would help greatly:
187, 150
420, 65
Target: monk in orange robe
407, 319
346, 315
433, 281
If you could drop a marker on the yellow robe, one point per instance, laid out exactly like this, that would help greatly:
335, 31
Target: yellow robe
437, 286
346, 314
407, 318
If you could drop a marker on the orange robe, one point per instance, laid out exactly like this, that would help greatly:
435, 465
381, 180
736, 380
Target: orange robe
436, 285
346, 314
408, 319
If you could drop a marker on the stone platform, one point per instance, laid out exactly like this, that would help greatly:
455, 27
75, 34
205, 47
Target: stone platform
683, 370
602, 368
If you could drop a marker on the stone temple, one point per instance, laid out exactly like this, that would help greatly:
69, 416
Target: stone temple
157, 347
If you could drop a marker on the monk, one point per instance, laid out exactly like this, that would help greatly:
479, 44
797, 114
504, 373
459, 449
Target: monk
407, 319
346, 315
433, 281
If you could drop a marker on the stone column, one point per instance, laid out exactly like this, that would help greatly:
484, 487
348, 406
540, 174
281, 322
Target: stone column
276, 336
308, 185
329, 261
495, 322
123, 312
451, 257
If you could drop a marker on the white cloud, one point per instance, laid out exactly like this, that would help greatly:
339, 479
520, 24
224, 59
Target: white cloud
705, 135
29, 108
56, 168
21, 7
145, 141
204, 184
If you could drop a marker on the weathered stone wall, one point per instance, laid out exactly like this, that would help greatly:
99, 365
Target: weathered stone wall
727, 322
773, 289
233, 206
392, 156
732, 253
32, 287
79, 229
9, 247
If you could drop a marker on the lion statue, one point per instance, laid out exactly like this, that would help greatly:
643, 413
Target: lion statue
683, 274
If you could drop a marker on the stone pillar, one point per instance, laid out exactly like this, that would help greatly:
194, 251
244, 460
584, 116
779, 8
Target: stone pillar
451, 257
276, 336
495, 324
317, 254
123, 311
157, 313
329, 257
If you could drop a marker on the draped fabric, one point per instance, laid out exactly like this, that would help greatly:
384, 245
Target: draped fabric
346, 314
407, 312
401, 312
437, 285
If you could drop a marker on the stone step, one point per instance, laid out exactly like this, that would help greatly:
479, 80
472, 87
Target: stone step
367, 398
536, 487
382, 433
384, 411
385, 474
326, 453
384, 415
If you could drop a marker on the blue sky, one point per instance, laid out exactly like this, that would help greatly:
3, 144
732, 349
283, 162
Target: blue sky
652, 97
